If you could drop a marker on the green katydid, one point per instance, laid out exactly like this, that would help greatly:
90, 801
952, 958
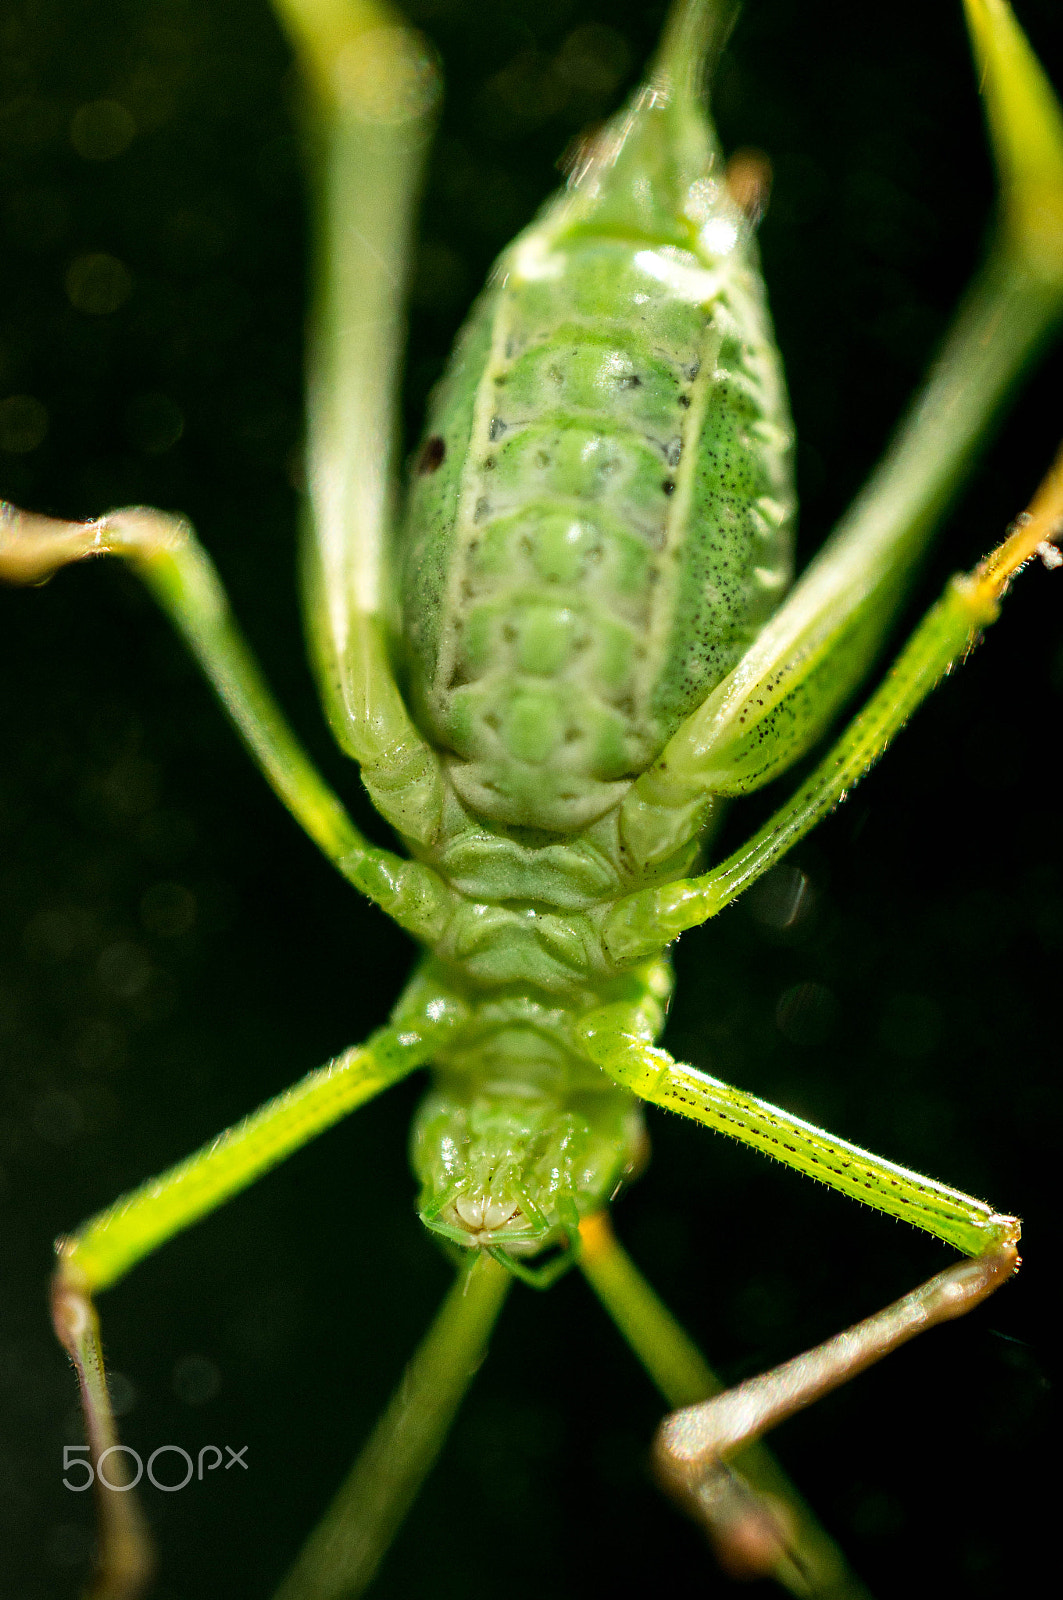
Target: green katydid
572, 955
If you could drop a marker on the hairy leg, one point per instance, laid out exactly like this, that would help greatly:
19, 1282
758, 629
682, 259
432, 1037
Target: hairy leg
697, 1442
109, 1244
806, 662
166, 554
641, 923
370, 91
760, 1524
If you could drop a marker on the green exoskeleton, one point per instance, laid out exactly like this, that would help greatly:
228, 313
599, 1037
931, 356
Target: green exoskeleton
572, 647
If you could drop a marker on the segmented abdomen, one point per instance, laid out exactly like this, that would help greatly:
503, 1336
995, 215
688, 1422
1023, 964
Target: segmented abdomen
599, 521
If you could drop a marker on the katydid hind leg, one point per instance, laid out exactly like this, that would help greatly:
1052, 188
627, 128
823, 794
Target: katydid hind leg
808, 659
370, 133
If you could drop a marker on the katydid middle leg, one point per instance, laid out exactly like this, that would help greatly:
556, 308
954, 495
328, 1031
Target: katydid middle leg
639, 924
371, 87
164, 552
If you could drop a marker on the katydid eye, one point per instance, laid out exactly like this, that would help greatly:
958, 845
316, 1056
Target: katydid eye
431, 456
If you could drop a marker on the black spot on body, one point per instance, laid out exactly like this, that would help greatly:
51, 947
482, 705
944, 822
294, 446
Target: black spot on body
431, 455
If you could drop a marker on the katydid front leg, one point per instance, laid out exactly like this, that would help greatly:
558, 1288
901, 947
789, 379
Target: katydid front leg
695, 1442
105, 1248
761, 1524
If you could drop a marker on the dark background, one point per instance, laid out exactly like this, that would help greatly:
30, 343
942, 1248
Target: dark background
172, 950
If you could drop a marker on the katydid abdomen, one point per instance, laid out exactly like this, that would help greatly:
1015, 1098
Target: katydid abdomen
599, 521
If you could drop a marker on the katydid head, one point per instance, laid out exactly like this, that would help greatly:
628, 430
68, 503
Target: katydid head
514, 1175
